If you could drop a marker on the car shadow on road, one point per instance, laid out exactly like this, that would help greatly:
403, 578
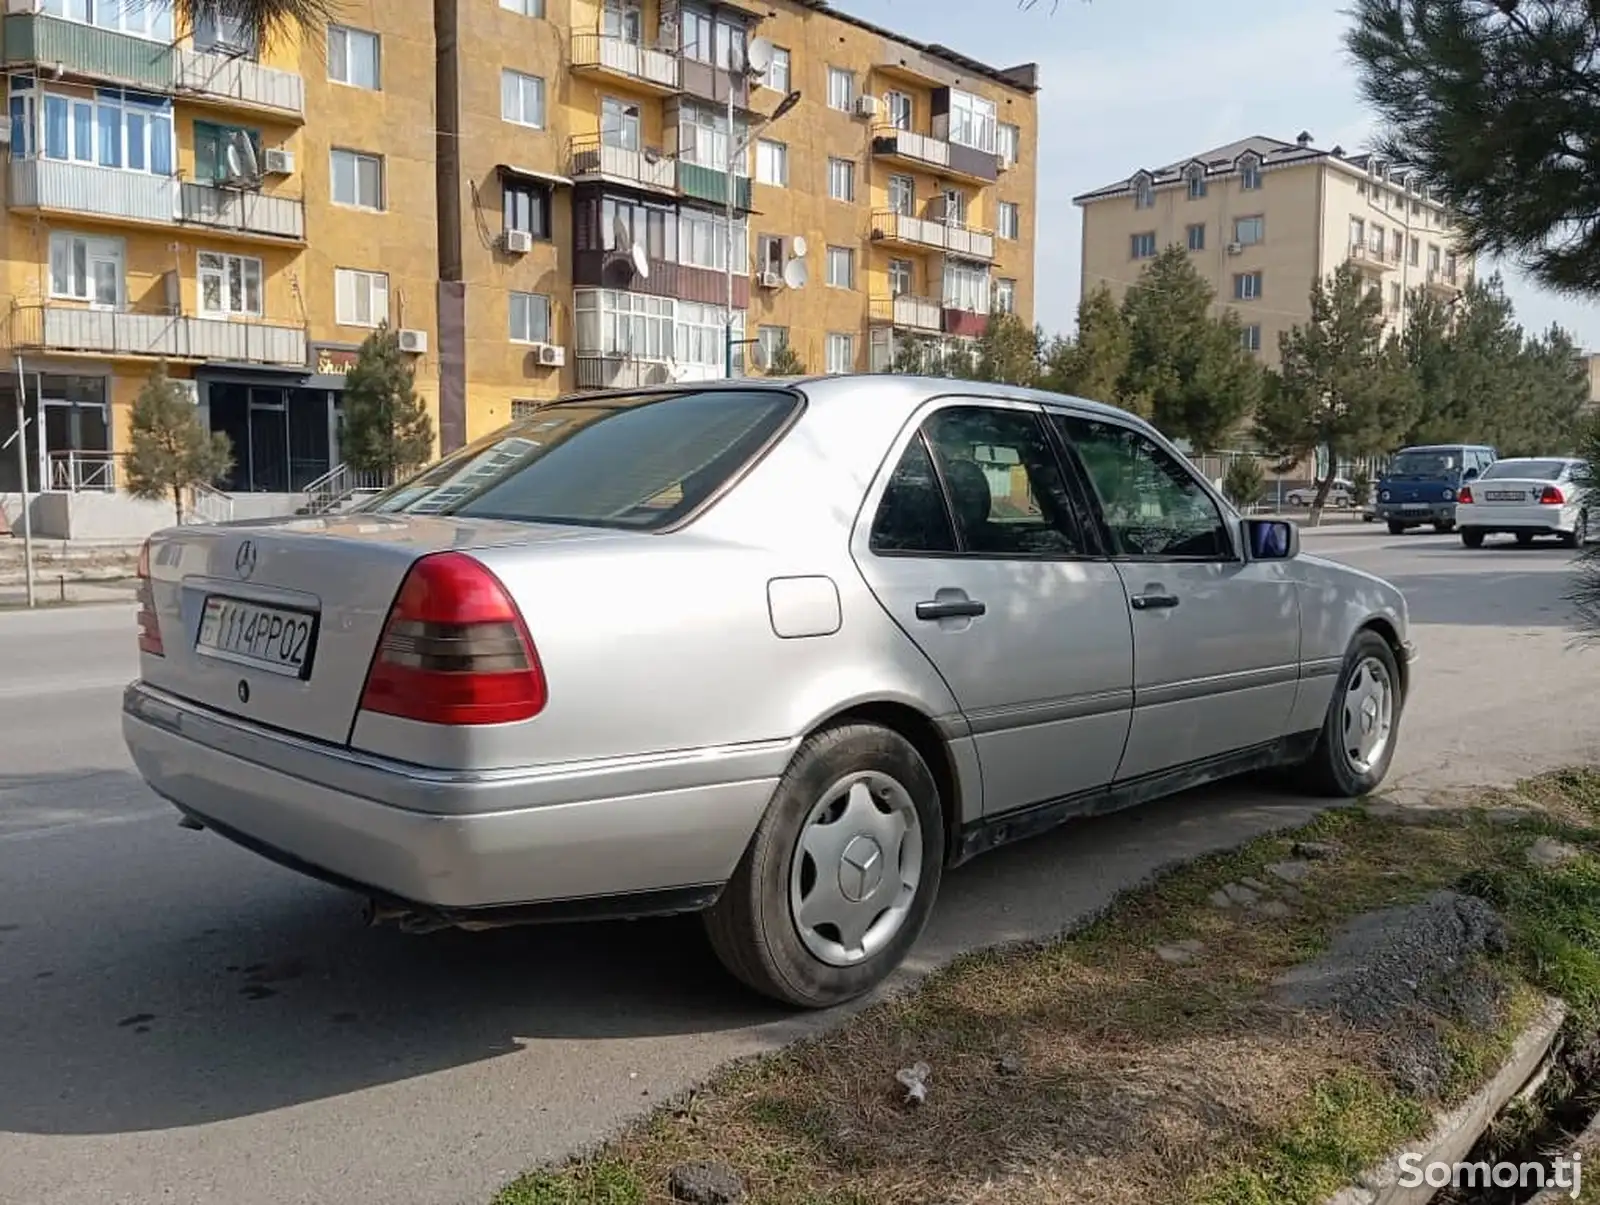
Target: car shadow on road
273, 994
1505, 595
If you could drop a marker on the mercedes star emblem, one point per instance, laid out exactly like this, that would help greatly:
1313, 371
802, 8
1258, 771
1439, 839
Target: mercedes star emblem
244, 561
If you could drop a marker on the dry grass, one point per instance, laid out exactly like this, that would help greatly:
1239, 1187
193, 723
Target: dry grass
1089, 1068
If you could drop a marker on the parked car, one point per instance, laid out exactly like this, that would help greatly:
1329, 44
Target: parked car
781, 653
1341, 493
1420, 484
1527, 497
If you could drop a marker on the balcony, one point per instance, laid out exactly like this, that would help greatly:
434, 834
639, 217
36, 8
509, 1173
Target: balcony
708, 184
921, 234
1374, 259
966, 324
686, 282
596, 371
948, 159
103, 55
907, 312
61, 328
706, 82
588, 158
100, 192
250, 214
642, 66
1442, 282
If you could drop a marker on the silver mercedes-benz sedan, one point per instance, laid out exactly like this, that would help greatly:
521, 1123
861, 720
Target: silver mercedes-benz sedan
780, 652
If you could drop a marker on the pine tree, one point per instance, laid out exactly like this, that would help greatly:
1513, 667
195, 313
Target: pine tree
1093, 365
1243, 482
387, 430
1008, 351
170, 450
786, 362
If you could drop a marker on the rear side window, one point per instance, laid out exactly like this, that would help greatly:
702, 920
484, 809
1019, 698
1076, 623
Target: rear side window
637, 463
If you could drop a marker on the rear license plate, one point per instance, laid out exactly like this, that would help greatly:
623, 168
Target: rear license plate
1414, 506
276, 639
1504, 495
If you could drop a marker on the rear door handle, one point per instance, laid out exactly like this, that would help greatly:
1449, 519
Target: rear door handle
950, 608
1152, 600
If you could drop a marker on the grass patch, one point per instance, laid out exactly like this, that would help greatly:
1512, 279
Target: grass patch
1091, 1068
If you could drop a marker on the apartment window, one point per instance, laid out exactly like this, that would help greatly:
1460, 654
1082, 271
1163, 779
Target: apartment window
89, 269
901, 275
1414, 251
1450, 266
1250, 173
1142, 246
901, 110
841, 88
611, 323
772, 340
1398, 247
151, 21
841, 179
353, 57
528, 8
1394, 297
622, 19
1433, 259
703, 240
212, 144
973, 121
1250, 337
1358, 233
703, 137
1005, 295
701, 336
903, 195
530, 318
841, 267
1378, 240
526, 207
841, 353
1144, 194
1197, 236
1197, 183
360, 298
1247, 232
522, 99
222, 32
1008, 142
966, 287
1247, 286
619, 124
230, 285
769, 254
772, 163
955, 207
357, 179
776, 75
112, 128
1009, 220
706, 39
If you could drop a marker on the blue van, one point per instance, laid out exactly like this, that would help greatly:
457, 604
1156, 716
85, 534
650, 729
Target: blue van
1420, 484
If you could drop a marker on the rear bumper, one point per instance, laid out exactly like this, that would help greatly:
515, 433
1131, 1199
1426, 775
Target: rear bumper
1416, 512
561, 840
1511, 517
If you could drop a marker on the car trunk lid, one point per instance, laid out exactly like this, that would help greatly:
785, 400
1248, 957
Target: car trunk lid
277, 621
1508, 491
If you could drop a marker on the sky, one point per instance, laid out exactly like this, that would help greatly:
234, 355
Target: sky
1127, 84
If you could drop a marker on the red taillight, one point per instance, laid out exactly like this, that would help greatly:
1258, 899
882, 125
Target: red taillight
149, 626
1552, 497
1465, 495
454, 649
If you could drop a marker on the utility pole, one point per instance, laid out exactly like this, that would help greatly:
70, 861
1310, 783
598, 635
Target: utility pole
22, 478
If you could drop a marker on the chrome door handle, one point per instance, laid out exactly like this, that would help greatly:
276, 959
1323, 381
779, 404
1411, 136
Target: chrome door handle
1153, 600
950, 608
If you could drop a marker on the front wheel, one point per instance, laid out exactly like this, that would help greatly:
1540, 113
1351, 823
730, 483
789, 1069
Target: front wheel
841, 875
1358, 735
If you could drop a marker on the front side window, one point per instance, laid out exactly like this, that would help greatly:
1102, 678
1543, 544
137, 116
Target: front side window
521, 99
635, 463
357, 179
230, 285
530, 318
353, 57
360, 298
1154, 508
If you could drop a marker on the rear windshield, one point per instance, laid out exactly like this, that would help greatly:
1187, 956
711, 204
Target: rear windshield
1538, 470
629, 462
1424, 464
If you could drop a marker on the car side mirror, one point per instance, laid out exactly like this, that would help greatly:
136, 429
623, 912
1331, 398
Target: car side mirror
1270, 539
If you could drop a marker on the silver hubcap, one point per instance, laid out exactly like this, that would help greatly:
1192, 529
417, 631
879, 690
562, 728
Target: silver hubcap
1368, 714
856, 869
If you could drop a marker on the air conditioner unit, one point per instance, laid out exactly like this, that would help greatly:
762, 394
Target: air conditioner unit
868, 106
551, 355
22, 6
278, 162
519, 242
413, 341
771, 280
1005, 162
1235, 248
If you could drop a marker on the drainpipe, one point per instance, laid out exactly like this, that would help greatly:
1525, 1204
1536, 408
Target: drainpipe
452, 288
22, 481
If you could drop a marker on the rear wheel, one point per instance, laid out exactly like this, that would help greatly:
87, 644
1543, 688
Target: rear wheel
1472, 537
1524, 538
1579, 535
841, 875
1358, 735
1396, 529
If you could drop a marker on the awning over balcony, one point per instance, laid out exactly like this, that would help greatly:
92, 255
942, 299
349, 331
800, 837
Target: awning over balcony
528, 173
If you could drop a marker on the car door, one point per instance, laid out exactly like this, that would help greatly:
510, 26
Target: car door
984, 554
1216, 638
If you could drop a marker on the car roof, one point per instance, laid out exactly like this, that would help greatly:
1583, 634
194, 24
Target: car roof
1444, 448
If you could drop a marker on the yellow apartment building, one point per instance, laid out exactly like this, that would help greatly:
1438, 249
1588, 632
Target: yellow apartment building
536, 193
1262, 219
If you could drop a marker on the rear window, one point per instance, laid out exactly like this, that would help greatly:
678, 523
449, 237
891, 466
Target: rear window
1538, 470
638, 462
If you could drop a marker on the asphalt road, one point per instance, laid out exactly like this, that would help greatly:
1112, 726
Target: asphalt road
181, 1022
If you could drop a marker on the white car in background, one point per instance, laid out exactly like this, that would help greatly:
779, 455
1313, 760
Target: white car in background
1340, 493
1526, 497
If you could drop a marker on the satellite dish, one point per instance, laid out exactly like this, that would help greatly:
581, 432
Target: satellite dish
795, 274
758, 55
798, 245
641, 262
759, 356
242, 156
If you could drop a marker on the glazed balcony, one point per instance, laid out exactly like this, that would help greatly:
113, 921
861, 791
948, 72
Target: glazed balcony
929, 154
707, 82
908, 312
243, 213
595, 371
591, 159
686, 282
53, 185
893, 229
709, 184
642, 67
121, 333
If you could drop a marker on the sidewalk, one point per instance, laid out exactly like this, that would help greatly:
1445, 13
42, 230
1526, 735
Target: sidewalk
52, 590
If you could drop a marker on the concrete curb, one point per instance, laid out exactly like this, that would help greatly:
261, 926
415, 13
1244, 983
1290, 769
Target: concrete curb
1588, 1143
1455, 1133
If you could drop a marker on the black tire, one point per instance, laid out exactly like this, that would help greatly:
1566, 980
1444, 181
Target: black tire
1396, 529
1472, 537
1524, 538
1328, 771
751, 927
1446, 527
1579, 535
